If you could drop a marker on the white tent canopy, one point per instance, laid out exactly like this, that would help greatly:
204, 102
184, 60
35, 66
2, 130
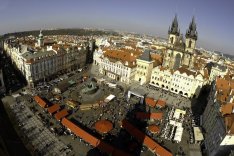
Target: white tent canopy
109, 98
178, 134
175, 123
15, 95
198, 136
178, 112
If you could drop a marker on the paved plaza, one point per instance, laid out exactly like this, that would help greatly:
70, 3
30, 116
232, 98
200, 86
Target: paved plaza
34, 132
44, 134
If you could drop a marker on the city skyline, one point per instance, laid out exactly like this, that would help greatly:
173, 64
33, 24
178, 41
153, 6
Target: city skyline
213, 18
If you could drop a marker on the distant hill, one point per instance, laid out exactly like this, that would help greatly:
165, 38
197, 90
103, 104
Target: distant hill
79, 32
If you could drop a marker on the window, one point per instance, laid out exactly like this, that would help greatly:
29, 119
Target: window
172, 39
190, 44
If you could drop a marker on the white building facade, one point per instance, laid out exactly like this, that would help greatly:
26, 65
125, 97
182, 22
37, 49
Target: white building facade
218, 118
118, 65
41, 63
181, 81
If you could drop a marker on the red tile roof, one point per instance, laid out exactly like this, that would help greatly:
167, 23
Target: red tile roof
229, 121
91, 139
103, 126
80, 132
150, 101
123, 55
63, 113
223, 88
146, 140
157, 116
40, 101
185, 70
157, 59
53, 108
161, 103
227, 108
154, 129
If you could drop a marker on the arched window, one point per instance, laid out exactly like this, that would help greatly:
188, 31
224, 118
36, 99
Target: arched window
172, 39
190, 44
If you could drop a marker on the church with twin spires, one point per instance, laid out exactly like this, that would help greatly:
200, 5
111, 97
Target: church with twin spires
180, 52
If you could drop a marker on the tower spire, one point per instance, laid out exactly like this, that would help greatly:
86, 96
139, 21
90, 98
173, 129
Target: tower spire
41, 39
174, 29
192, 30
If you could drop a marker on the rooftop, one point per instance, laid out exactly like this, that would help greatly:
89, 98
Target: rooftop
103, 126
54, 108
123, 56
146, 56
63, 113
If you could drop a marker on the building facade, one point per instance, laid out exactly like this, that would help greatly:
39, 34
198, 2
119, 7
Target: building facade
218, 118
39, 63
119, 65
182, 81
2, 85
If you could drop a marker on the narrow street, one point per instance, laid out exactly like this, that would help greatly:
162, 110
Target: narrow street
10, 143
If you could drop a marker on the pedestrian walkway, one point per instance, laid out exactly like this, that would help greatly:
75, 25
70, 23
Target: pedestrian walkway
41, 140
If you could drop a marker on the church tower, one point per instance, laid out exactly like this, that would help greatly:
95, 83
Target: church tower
145, 65
173, 32
173, 36
191, 37
41, 39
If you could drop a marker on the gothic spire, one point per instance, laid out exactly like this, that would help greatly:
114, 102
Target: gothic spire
192, 30
174, 29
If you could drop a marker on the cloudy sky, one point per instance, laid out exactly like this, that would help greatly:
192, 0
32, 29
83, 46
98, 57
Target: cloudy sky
214, 18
